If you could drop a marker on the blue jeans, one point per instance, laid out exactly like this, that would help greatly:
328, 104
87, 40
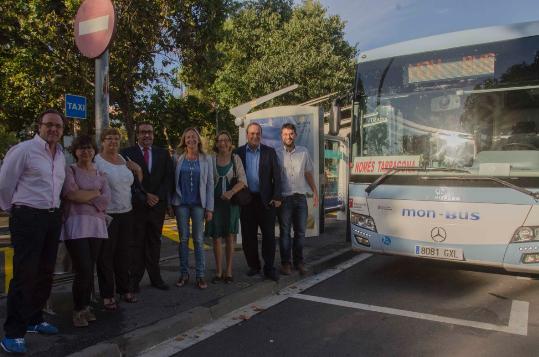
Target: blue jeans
292, 214
196, 215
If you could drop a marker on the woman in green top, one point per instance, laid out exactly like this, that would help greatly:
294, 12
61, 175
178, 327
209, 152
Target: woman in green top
225, 223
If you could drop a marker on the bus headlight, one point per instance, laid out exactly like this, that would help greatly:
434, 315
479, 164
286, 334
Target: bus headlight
363, 221
525, 234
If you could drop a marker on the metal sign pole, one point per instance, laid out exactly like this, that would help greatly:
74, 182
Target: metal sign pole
101, 95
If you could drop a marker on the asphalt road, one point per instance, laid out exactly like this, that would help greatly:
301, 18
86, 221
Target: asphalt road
390, 306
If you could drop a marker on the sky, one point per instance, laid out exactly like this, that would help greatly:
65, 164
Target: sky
375, 23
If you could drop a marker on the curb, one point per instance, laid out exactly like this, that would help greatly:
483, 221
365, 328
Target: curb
136, 341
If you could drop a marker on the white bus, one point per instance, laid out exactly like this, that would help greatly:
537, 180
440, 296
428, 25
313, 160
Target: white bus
445, 148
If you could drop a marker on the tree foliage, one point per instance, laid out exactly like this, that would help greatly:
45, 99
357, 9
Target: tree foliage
171, 115
269, 45
225, 53
39, 61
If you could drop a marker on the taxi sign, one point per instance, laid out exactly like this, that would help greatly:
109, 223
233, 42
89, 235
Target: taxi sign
75, 106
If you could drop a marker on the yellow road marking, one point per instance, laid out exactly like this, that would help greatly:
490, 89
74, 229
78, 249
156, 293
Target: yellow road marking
170, 231
8, 266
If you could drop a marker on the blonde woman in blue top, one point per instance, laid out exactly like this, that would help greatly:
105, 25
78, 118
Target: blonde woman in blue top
192, 199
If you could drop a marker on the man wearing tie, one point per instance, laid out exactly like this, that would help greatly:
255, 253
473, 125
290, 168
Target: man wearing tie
150, 215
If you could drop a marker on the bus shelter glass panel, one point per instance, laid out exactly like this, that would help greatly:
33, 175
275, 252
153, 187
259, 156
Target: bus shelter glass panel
332, 158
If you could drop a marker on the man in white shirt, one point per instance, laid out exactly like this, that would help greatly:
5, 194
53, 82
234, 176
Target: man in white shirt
297, 177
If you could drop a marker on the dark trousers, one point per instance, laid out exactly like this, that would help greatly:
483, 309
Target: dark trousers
252, 216
34, 236
114, 258
84, 253
146, 245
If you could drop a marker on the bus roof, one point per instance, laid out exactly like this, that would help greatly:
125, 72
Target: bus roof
452, 40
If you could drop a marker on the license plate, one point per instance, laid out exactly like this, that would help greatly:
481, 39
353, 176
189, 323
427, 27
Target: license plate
439, 252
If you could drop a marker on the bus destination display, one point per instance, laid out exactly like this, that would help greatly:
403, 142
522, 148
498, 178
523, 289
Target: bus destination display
437, 69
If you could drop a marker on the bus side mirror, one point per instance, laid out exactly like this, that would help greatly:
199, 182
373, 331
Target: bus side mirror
335, 117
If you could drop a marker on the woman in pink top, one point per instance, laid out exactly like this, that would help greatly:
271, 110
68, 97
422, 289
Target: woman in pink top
86, 196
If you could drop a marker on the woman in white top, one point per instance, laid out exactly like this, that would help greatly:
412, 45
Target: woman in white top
113, 262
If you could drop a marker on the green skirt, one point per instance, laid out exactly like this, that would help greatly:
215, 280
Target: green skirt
225, 219
225, 215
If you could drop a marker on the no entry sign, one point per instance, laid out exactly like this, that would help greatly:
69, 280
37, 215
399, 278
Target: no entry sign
94, 26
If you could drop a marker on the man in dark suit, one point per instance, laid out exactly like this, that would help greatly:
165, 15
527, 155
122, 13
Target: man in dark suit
150, 215
264, 181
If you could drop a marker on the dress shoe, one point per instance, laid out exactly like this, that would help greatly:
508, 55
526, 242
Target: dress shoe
161, 286
273, 275
79, 318
253, 272
285, 269
301, 268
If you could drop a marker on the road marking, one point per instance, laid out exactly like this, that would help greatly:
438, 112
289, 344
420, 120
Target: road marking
199, 334
170, 231
94, 25
518, 318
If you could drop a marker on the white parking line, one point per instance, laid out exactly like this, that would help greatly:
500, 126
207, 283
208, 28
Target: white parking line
518, 318
199, 334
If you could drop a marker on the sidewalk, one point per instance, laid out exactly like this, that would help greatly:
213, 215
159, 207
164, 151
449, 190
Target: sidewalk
163, 314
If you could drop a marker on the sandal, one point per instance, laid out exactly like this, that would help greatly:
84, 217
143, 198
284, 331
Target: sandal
184, 279
216, 279
201, 283
129, 298
110, 305
228, 279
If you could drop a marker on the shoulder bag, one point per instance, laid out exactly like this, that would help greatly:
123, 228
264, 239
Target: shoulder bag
242, 197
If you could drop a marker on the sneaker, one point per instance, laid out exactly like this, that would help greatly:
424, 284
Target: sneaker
44, 328
13, 345
89, 314
79, 318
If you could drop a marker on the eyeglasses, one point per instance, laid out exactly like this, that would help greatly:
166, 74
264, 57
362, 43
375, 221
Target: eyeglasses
52, 125
87, 148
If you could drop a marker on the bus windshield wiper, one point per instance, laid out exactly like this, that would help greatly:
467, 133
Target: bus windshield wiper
505, 183
394, 170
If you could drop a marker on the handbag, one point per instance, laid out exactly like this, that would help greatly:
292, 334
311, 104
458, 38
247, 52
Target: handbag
138, 193
243, 197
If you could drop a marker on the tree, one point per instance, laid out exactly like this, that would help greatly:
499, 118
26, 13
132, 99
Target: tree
7, 140
171, 115
39, 61
200, 29
265, 50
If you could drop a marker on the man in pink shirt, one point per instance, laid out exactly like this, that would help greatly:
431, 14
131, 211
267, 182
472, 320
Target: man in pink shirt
31, 180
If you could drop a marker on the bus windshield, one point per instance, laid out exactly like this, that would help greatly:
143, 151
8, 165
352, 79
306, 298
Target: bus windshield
473, 108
